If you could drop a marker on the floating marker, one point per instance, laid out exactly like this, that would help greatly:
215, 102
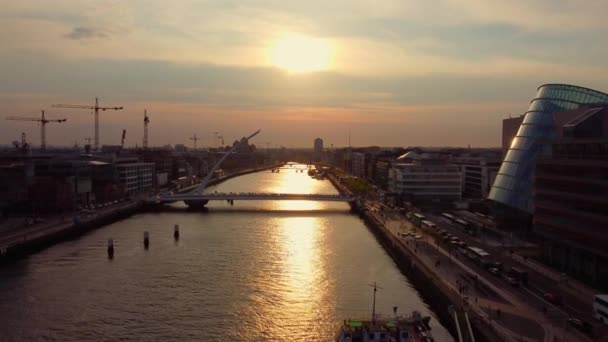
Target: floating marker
110, 249
146, 239
176, 232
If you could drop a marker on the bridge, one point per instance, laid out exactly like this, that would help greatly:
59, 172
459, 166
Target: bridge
252, 196
197, 197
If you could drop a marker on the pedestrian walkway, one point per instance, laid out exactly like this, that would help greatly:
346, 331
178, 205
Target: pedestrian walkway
530, 322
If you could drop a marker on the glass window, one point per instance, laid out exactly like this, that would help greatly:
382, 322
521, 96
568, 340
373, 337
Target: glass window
504, 181
509, 168
514, 155
537, 118
523, 143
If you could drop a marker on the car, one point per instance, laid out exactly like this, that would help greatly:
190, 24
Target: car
553, 298
512, 281
498, 264
580, 325
495, 271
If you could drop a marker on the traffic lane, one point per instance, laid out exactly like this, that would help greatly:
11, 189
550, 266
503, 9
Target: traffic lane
571, 303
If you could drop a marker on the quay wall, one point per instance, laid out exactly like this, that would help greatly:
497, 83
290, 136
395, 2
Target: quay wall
428, 283
33, 239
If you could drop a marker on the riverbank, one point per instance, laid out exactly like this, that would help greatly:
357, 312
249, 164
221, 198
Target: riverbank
443, 299
19, 243
22, 242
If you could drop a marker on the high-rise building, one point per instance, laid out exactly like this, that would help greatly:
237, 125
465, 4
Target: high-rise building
318, 150
512, 188
358, 164
571, 197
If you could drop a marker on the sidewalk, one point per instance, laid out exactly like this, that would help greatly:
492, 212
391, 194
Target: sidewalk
536, 324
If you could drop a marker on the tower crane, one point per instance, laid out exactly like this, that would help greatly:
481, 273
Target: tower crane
43, 121
146, 122
96, 107
195, 139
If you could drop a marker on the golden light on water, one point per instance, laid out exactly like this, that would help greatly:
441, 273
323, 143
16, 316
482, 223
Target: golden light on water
298, 53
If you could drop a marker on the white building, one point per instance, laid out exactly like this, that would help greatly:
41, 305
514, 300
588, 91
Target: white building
136, 176
420, 178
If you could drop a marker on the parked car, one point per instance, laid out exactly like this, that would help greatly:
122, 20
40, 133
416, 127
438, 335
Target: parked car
580, 325
495, 271
553, 298
512, 281
497, 264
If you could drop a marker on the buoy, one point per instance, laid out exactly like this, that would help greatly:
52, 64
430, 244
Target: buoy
110, 249
146, 239
176, 232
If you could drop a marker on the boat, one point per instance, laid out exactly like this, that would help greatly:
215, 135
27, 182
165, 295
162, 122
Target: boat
412, 328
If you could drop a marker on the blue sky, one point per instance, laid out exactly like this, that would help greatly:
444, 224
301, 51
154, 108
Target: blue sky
442, 72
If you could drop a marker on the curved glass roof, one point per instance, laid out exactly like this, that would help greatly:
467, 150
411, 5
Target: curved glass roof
513, 183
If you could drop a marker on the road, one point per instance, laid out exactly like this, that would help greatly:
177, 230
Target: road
577, 301
522, 313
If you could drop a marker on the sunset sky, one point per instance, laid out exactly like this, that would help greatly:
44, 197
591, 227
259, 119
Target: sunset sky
396, 72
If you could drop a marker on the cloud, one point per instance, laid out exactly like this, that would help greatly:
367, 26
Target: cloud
83, 33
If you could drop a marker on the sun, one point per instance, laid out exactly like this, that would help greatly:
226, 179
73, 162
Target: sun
298, 53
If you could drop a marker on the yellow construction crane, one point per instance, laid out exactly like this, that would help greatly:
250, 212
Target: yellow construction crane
96, 107
43, 121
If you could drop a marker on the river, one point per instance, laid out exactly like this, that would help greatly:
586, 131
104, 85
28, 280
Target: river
254, 271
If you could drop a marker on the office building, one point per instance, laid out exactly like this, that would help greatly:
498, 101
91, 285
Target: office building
137, 177
318, 150
571, 197
425, 178
512, 188
510, 127
358, 164
478, 173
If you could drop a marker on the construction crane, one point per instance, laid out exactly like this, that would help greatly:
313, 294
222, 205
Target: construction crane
88, 140
195, 139
96, 107
146, 122
124, 136
43, 121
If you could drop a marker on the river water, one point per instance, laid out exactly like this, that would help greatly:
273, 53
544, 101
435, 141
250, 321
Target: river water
254, 271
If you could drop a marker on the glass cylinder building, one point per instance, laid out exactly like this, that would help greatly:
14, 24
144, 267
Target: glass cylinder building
513, 184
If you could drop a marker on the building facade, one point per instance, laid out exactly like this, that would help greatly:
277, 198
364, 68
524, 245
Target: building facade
571, 199
318, 150
512, 187
422, 181
137, 177
358, 164
478, 174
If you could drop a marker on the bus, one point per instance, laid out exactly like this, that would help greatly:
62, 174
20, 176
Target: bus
462, 222
600, 308
478, 255
428, 225
417, 219
448, 216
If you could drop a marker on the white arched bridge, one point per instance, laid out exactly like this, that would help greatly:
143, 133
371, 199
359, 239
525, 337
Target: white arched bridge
197, 197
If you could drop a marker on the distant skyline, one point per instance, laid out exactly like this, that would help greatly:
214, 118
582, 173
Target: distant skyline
395, 72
